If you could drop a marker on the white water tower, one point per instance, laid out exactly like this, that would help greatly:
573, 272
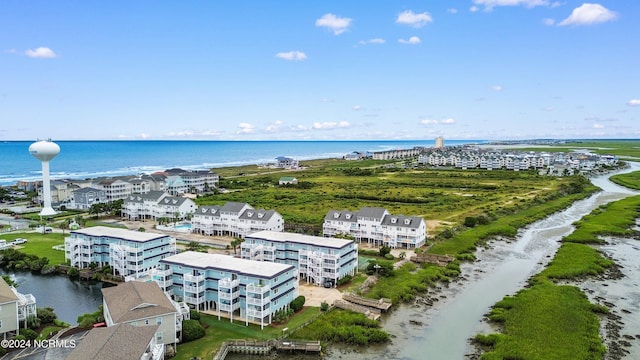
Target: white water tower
45, 150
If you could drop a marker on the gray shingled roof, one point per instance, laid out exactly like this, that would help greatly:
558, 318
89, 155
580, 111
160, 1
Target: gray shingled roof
172, 200
121, 341
208, 210
87, 190
233, 207
402, 221
372, 212
344, 215
136, 300
260, 215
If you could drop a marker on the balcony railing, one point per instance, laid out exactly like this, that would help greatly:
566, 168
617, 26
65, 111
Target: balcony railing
258, 301
193, 278
228, 283
194, 300
228, 296
193, 289
259, 289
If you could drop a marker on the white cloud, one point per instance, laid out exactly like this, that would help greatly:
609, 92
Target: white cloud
633, 102
334, 23
41, 52
274, 127
372, 41
598, 126
556, 4
448, 121
246, 128
496, 87
330, 125
356, 107
428, 122
474, 8
412, 40
588, 14
452, 11
144, 136
412, 19
490, 4
292, 55
548, 21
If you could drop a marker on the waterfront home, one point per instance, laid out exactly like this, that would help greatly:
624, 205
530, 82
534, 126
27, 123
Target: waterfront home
397, 153
319, 260
114, 188
194, 182
377, 226
131, 254
155, 205
287, 180
247, 289
121, 341
285, 162
83, 198
144, 304
234, 219
15, 308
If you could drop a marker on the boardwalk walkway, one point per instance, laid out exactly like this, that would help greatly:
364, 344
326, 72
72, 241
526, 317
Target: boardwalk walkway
371, 313
256, 347
381, 304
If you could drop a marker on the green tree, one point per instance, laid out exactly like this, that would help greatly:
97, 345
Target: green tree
235, 243
191, 330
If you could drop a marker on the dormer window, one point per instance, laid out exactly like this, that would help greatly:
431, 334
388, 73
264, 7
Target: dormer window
250, 213
394, 220
336, 215
407, 221
348, 216
204, 211
260, 215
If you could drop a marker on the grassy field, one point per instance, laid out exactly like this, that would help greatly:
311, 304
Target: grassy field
613, 219
440, 196
630, 180
40, 245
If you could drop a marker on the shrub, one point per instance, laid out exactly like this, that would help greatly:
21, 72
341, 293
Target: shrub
191, 330
29, 334
389, 257
73, 273
297, 303
194, 315
344, 280
470, 221
33, 322
384, 251
324, 306
46, 315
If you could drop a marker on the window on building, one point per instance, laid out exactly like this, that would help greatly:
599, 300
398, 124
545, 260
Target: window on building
159, 321
146, 321
159, 336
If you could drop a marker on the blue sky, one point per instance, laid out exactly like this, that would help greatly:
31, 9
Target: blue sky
294, 70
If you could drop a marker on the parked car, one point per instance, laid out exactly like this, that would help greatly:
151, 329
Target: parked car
19, 241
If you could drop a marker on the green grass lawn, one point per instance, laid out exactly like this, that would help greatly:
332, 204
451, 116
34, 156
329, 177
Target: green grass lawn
41, 245
218, 331
630, 180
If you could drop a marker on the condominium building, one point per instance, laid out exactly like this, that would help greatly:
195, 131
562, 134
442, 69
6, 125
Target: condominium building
131, 254
319, 260
234, 219
144, 304
251, 290
377, 226
15, 308
155, 205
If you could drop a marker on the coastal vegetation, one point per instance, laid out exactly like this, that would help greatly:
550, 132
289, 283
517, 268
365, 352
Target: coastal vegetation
549, 320
630, 180
444, 197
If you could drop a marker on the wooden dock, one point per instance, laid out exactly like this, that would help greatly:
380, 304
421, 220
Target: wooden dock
440, 260
381, 304
256, 347
371, 313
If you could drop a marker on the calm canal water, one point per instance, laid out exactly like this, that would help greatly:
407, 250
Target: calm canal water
69, 299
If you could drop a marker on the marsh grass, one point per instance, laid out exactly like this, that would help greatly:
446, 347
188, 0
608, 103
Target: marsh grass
551, 321
630, 180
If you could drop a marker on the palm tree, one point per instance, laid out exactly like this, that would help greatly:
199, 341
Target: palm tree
235, 243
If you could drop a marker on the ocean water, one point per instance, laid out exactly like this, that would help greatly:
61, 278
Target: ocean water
90, 159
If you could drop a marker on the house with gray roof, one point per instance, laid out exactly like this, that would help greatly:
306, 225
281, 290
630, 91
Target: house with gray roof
376, 226
234, 219
121, 341
143, 304
83, 198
